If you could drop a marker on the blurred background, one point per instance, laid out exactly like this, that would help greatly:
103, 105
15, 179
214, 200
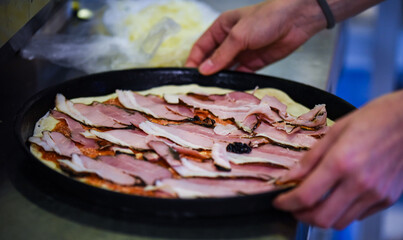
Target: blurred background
359, 60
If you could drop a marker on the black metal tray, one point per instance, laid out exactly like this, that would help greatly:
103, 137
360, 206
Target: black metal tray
141, 79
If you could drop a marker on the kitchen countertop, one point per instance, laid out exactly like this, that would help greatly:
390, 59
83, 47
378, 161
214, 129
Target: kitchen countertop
32, 207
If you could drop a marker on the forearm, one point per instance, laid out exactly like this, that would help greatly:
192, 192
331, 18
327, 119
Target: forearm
312, 16
343, 9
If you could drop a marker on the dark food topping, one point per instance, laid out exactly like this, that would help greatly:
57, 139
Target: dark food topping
238, 147
207, 122
174, 154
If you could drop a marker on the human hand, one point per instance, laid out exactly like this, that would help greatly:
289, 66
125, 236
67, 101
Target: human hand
354, 171
257, 35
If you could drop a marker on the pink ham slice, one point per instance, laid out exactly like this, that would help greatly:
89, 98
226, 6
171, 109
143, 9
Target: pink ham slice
189, 168
202, 188
223, 158
83, 164
76, 129
194, 136
57, 142
246, 110
281, 151
147, 171
153, 106
98, 114
239, 106
315, 118
176, 147
135, 139
221, 104
166, 152
227, 130
296, 140
207, 169
269, 108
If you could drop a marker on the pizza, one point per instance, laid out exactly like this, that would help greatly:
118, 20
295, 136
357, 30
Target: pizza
182, 141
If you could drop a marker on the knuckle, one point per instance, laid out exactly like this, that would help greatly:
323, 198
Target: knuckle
340, 226
227, 14
389, 199
304, 200
364, 184
238, 38
322, 222
345, 163
342, 166
379, 195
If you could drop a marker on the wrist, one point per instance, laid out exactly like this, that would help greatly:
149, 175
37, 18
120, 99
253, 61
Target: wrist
310, 16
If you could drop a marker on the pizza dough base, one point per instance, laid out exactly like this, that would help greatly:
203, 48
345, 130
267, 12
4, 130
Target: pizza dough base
47, 123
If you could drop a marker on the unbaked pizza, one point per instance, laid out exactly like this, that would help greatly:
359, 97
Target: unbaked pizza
178, 141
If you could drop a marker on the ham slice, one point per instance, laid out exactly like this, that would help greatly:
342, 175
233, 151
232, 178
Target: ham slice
202, 188
222, 106
227, 130
207, 169
178, 135
194, 136
98, 114
189, 168
178, 148
281, 151
167, 153
117, 149
296, 140
223, 158
76, 129
148, 172
246, 110
57, 142
315, 118
83, 164
135, 139
153, 106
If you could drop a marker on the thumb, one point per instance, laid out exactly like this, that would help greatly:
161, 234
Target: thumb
223, 55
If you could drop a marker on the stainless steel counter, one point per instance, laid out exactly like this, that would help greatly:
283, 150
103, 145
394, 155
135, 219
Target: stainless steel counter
32, 208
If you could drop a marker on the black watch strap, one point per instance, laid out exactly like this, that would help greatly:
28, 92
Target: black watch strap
328, 13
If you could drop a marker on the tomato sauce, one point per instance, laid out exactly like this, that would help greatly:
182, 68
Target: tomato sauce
104, 149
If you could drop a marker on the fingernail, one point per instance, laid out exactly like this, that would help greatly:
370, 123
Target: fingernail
190, 64
206, 66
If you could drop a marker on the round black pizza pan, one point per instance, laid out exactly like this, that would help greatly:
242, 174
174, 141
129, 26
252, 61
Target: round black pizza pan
141, 79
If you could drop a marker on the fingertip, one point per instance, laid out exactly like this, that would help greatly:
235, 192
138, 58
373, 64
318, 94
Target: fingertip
190, 64
294, 175
207, 67
277, 202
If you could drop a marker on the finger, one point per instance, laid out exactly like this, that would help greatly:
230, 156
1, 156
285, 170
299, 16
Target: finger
312, 157
259, 58
225, 53
373, 209
364, 203
310, 191
318, 183
211, 38
332, 208
243, 68
251, 60
203, 48
392, 192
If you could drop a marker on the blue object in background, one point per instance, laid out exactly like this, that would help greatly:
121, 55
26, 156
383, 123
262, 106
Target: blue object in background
372, 66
